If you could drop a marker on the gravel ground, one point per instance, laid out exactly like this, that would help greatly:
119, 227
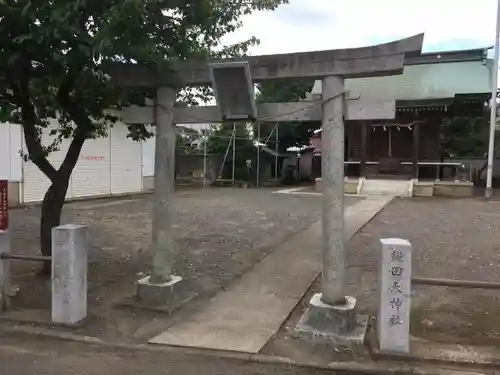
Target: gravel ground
219, 233
457, 239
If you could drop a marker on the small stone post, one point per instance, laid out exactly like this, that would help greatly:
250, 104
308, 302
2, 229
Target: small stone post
69, 273
331, 316
5, 288
157, 288
395, 294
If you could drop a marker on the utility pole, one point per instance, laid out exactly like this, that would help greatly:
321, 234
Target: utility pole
493, 114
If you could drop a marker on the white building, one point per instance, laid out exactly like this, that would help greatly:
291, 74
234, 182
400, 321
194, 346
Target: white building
107, 166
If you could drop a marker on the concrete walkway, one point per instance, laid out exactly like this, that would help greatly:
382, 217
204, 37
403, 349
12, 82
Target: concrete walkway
244, 317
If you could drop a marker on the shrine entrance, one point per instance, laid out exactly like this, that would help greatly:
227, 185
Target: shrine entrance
391, 141
390, 151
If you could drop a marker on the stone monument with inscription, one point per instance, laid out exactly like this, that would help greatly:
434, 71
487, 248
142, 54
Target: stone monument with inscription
393, 323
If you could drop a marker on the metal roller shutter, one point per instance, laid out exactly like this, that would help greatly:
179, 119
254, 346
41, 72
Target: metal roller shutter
126, 162
35, 183
92, 173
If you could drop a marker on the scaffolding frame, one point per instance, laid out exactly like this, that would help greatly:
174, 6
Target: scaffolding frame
232, 146
276, 149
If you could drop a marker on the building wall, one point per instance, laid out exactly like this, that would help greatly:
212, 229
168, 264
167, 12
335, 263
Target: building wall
191, 166
353, 144
402, 141
306, 165
378, 142
148, 155
425, 81
126, 162
187, 166
10, 152
92, 173
430, 138
11, 160
107, 166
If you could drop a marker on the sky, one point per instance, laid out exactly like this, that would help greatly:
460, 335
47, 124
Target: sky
308, 25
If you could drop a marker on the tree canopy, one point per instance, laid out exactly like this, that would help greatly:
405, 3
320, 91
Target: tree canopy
467, 137
52, 65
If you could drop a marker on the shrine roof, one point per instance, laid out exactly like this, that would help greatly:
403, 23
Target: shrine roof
476, 54
428, 76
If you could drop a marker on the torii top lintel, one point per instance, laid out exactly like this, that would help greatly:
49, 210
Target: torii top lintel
379, 60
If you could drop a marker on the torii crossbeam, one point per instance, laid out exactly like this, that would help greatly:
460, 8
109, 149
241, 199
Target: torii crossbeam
380, 60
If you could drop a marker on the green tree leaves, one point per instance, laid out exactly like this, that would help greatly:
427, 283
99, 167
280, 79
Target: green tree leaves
467, 137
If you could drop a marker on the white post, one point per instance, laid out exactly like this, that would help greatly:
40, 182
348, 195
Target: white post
493, 113
69, 273
205, 139
277, 151
258, 155
5, 288
332, 159
234, 149
395, 295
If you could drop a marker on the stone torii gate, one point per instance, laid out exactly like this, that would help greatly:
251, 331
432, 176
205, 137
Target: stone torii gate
332, 306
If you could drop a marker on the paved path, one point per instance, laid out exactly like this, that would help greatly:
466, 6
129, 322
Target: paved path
244, 317
51, 357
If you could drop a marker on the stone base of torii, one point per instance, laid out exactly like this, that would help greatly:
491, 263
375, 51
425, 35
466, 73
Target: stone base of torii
331, 315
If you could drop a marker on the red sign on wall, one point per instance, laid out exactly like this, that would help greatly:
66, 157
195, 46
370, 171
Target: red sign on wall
93, 157
4, 205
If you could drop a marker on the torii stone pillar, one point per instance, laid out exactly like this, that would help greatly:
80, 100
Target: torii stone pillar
158, 287
331, 316
332, 167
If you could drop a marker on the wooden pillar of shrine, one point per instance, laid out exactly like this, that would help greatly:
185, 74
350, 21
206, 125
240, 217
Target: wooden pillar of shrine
416, 148
364, 148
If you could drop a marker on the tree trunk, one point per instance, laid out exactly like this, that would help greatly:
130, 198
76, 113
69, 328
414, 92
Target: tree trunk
53, 200
52, 205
